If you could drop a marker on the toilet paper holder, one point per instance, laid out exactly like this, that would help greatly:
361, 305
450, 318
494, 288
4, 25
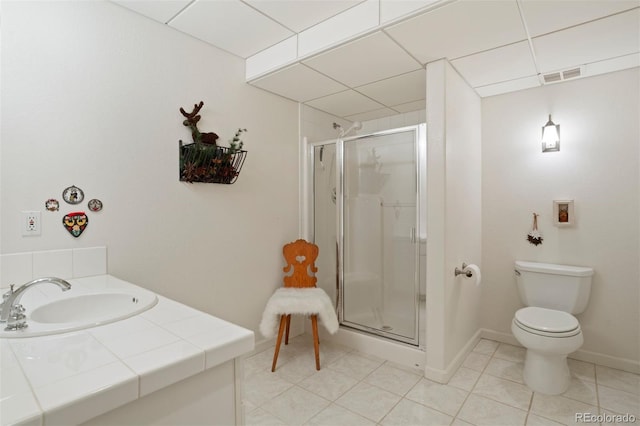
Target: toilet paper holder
459, 271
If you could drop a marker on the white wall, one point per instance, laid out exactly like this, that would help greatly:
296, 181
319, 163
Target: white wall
597, 166
453, 217
90, 96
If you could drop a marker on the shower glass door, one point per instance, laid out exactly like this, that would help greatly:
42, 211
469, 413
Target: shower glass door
366, 211
379, 234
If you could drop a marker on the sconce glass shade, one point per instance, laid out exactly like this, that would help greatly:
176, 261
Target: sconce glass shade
550, 136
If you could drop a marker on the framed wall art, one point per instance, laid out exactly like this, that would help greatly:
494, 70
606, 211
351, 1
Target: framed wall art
563, 214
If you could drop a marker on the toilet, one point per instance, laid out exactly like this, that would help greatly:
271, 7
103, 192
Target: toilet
546, 326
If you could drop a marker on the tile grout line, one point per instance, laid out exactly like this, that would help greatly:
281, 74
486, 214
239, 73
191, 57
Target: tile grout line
476, 382
402, 396
526, 418
595, 377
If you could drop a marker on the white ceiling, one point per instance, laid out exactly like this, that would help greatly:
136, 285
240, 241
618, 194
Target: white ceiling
496, 45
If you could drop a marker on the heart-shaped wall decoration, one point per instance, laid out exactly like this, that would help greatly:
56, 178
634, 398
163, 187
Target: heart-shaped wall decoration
75, 223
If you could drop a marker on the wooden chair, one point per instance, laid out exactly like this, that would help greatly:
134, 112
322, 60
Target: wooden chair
299, 295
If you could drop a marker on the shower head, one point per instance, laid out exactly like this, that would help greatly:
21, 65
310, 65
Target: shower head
356, 125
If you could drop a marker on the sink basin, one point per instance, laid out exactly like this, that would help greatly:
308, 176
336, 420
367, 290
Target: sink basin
93, 308
80, 311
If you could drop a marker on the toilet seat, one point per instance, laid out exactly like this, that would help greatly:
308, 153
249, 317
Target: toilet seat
547, 322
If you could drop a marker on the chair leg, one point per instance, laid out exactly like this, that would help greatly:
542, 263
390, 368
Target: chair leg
316, 343
283, 320
286, 336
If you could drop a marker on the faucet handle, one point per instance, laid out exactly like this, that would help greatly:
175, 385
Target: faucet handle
17, 319
5, 295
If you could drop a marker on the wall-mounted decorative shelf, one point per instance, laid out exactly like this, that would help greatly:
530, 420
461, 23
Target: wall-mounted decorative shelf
205, 161
210, 163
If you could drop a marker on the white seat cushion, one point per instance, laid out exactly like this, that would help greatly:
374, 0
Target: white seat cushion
306, 301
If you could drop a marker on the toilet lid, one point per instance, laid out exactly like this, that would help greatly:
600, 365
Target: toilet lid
547, 320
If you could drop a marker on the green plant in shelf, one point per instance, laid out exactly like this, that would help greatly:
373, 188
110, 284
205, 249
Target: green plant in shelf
205, 161
236, 143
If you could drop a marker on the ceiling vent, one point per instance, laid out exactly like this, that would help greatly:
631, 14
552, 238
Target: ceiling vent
558, 76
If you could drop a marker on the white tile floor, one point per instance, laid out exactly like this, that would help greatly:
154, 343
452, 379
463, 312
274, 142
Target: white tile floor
353, 389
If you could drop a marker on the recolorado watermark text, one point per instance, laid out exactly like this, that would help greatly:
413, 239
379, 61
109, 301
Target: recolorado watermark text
605, 418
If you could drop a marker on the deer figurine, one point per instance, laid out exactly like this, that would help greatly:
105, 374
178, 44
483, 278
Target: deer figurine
191, 122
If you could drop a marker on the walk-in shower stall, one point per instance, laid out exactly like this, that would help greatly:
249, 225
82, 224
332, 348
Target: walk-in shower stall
368, 213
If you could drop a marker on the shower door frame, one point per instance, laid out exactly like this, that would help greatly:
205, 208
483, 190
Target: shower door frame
420, 148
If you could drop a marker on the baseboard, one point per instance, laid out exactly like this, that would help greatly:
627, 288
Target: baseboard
443, 376
261, 345
607, 360
499, 337
416, 358
625, 364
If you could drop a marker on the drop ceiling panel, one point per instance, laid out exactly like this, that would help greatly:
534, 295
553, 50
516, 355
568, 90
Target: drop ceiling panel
397, 90
340, 28
300, 83
617, 35
545, 16
272, 58
394, 9
411, 106
231, 25
497, 65
300, 15
363, 61
345, 103
372, 115
611, 65
460, 29
508, 86
161, 11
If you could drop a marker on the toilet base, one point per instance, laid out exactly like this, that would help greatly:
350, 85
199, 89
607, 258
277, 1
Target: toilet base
546, 373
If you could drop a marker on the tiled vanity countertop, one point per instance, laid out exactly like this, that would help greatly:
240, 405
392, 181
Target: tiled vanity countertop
72, 377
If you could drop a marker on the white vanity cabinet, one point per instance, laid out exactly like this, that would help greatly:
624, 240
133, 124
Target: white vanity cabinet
168, 365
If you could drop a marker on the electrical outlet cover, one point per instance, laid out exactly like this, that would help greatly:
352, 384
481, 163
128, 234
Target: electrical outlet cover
30, 223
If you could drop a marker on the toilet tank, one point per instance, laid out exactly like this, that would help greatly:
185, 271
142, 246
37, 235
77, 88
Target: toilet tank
547, 285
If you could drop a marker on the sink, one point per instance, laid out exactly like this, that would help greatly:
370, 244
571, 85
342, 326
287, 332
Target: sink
93, 308
80, 311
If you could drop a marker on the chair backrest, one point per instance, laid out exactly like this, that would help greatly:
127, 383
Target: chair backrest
302, 256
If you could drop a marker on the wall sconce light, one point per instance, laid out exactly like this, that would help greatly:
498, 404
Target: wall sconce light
550, 136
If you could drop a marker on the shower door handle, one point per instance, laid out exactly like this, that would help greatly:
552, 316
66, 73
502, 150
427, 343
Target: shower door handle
412, 235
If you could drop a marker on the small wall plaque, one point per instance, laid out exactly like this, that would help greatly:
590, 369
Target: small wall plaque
52, 205
73, 195
563, 214
95, 205
75, 223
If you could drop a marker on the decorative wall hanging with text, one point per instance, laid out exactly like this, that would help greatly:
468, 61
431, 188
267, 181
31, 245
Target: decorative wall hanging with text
205, 161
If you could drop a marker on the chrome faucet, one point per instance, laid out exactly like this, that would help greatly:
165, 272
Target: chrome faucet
12, 312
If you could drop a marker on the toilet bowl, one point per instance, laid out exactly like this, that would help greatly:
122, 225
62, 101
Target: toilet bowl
547, 327
549, 336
